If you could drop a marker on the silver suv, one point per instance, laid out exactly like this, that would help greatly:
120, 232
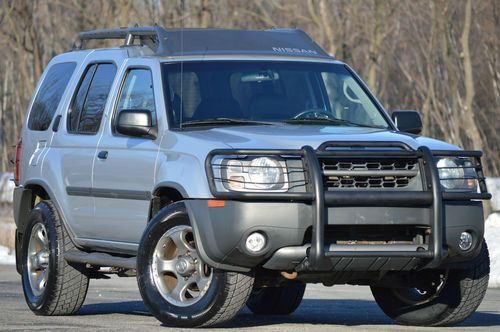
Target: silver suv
227, 168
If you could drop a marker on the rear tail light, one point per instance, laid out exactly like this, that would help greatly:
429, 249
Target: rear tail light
17, 172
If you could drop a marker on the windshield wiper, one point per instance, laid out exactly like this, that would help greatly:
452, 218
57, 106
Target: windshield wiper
330, 121
224, 121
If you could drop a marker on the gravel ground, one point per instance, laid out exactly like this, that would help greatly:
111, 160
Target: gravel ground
115, 305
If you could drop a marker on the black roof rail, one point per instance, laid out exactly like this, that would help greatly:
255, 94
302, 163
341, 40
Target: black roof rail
151, 36
216, 42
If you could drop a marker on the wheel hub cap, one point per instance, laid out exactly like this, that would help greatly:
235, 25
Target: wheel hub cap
432, 283
38, 259
181, 276
185, 265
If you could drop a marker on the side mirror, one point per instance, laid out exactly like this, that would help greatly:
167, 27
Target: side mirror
137, 123
407, 121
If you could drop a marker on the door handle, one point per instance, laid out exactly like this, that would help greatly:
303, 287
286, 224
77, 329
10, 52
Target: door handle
102, 155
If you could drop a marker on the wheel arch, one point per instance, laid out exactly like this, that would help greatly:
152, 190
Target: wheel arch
164, 194
32, 192
173, 210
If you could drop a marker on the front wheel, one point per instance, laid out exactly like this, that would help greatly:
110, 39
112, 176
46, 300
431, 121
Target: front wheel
449, 298
177, 286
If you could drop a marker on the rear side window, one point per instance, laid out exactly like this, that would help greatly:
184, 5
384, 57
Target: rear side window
88, 104
49, 95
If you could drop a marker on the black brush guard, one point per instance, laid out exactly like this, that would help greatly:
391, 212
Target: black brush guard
318, 258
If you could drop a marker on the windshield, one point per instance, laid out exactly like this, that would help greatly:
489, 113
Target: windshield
265, 92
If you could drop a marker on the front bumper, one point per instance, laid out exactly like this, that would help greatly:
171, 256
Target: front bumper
222, 233
286, 217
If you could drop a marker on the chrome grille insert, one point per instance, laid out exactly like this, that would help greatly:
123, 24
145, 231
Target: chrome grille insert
381, 174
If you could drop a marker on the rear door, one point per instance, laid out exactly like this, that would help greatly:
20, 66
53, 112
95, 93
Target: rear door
75, 144
38, 131
124, 170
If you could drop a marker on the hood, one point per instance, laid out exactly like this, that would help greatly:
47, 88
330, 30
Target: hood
284, 136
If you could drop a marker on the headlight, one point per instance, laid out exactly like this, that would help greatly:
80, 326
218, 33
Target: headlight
257, 174
265, 172
457, 174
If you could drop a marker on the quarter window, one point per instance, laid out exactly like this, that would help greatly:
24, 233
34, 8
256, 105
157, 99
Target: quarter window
137, 92
79, 100
89, 102
49, 95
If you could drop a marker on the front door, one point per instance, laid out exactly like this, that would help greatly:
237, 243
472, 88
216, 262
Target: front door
124, 171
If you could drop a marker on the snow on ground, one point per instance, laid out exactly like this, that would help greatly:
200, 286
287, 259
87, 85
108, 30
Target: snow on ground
493, 185
7, 256
492, 235
6, 187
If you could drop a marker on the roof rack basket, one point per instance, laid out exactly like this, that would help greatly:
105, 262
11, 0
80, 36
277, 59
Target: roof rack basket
211, 42
151, 36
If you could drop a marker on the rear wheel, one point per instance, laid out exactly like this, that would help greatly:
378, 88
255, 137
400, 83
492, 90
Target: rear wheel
178, 287
51, 286
281, 300
449, 296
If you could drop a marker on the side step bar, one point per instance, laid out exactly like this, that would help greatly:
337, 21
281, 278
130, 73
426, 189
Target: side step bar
100, 259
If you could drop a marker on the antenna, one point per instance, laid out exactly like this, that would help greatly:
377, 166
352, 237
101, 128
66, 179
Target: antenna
182, 64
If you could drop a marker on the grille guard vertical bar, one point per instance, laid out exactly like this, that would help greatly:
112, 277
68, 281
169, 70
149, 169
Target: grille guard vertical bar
317, 252
434, 185
318, 258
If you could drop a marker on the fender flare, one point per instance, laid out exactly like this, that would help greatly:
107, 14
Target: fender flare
177, 209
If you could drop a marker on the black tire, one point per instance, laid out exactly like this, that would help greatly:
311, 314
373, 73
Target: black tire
225, 295
459, 297
276, 300
66, 285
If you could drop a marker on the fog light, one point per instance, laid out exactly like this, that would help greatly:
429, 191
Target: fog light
255, 242
465, 241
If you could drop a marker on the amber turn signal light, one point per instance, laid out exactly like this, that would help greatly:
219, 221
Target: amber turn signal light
214, 203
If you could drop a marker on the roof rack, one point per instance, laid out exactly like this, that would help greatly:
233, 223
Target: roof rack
150, 36
212, 42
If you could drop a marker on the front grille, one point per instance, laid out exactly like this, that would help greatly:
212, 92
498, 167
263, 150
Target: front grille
372, 174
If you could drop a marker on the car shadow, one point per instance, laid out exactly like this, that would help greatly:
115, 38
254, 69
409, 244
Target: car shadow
345, 312
315, 312
127, 307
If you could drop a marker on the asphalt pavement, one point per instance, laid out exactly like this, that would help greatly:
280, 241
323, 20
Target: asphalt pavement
115, 305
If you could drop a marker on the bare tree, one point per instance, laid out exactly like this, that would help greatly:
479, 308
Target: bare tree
438, 56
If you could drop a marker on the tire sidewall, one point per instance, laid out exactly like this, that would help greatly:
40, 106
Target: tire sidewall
170, 314
436, 310
429, 312
281, 300
42, 213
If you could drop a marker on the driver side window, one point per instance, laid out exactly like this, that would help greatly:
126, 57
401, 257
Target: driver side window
137, 93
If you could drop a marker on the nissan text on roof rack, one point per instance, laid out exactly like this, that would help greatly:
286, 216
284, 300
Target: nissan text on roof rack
227, 168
